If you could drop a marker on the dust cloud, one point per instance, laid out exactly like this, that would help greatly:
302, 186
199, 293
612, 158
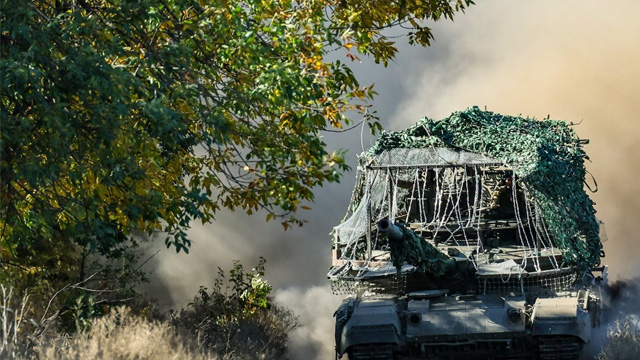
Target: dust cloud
574, 61
570, 61
315, 307
621, 305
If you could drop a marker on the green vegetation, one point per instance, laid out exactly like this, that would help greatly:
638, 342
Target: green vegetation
122, 119
215, 325
123, 116
226, 317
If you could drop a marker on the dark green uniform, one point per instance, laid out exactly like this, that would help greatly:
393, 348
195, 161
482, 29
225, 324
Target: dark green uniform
502, 206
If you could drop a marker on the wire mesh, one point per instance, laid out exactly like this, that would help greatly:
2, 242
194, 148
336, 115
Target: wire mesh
383, 285
544, 282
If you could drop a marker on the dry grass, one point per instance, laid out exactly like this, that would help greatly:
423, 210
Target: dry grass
122, 336
12, 316
235, 321
623, 341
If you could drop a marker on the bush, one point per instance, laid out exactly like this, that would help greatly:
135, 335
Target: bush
236, 320
74, 286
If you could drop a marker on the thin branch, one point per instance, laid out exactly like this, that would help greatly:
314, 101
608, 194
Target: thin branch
149, 258
2, 262
66, 287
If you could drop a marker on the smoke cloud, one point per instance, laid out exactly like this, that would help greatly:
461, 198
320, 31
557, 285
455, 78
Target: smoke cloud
558, 59
578, 61
621, 304
315, 307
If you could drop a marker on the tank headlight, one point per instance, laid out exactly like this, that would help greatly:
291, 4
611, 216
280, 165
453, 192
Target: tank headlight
415, 318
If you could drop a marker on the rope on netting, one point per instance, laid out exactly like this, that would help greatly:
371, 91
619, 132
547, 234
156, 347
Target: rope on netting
479, 245
543, 226
393, 207
546, 154
415, 189
524, 239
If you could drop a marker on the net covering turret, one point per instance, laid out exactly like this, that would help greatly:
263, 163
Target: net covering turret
504, 193
470, 237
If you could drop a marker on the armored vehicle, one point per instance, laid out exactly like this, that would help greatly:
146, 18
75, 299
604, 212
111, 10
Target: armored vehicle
470, 237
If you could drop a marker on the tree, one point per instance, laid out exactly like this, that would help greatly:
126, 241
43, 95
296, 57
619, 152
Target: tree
120, 116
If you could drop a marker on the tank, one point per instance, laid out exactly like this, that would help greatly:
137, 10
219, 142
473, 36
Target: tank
470, 237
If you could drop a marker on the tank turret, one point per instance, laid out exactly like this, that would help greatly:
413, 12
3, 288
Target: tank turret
470, 237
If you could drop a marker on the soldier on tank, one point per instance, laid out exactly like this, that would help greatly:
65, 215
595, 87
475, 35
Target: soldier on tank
502, 204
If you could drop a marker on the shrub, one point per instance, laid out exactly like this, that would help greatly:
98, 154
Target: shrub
236, 319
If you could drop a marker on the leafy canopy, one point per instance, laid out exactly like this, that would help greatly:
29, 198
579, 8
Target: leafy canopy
142, 115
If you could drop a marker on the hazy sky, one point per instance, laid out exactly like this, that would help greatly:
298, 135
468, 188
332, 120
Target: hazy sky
573, 60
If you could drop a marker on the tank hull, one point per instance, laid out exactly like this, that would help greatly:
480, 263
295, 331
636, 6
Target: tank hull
468, 252
418, 326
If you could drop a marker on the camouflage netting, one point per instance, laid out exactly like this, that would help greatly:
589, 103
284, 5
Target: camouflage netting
546, 155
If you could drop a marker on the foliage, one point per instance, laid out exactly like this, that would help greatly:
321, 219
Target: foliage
239, 296
623, 341
120, 116
237, 309
72, 307
235, 321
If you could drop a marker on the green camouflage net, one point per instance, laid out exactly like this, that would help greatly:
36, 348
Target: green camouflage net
546, 155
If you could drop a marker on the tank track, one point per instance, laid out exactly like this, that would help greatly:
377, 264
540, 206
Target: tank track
371, 352
559, 348
549, 348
